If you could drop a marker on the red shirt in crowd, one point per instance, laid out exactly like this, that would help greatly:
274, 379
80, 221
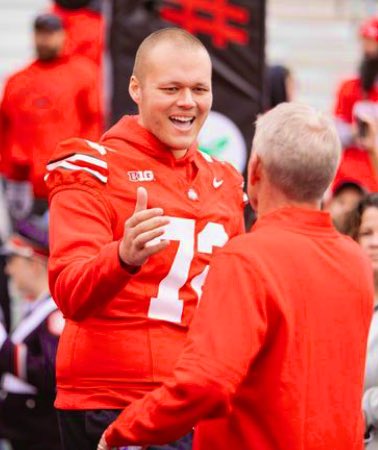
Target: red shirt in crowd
42, 105
276, 349
124, 333
355, 163
85, 32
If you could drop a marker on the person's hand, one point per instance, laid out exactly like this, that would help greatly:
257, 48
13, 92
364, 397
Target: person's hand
19, 198
102, 444
142, 232
369, 140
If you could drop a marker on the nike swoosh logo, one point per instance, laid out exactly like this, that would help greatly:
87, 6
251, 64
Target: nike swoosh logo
217, 183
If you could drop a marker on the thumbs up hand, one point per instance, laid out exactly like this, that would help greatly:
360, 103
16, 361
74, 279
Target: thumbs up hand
142, 232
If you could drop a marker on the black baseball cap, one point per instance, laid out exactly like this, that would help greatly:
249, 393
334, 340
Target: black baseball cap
48, 22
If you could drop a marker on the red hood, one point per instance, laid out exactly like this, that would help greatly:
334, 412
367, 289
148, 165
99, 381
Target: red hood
127, 132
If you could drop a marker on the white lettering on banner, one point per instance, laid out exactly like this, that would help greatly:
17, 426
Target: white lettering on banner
167, 305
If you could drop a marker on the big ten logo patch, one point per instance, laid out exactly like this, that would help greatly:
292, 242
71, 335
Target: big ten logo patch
141, 175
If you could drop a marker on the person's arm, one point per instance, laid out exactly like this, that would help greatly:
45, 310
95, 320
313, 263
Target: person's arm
87, 268
369, 141
370, 407
84, 268
227, 333
343, 115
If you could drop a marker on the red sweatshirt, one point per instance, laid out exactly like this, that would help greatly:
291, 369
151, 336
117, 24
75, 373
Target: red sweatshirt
42, 105
355, 162
123, 333
85, 32
277, 346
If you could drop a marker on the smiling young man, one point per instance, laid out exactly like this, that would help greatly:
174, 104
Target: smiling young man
134, 221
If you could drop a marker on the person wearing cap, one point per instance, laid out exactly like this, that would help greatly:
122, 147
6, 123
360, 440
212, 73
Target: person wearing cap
27, 355
357, 97
54, 98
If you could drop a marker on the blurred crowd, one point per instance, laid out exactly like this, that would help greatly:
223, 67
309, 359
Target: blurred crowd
60, 95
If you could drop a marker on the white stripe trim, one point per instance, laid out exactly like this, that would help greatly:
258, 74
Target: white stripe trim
88, 158
100, 148
206, 156
30, 323
85, 158
22, 354
14, 385
69, 166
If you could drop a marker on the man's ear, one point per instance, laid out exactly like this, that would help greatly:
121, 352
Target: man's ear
134, 89
255, 167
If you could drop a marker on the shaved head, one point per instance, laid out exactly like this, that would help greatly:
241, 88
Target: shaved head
173, 36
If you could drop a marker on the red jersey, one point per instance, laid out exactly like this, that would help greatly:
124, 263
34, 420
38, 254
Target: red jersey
123, 332
277, 346
355, 163
43, 104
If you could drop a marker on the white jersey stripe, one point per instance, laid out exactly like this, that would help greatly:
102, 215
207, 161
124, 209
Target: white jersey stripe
67, 165
31, 322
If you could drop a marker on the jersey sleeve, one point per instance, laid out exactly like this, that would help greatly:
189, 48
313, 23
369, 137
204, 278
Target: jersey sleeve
85, 272
34, 364
227, 333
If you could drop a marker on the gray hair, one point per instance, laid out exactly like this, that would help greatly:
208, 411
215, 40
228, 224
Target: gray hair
300, 150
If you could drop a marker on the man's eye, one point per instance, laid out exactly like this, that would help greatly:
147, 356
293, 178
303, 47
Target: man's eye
200, 90
365, 233
170, 90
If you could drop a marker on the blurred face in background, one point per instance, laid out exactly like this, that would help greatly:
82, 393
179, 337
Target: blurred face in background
24, 272
369, 47
342, 203
48, 44
368, 235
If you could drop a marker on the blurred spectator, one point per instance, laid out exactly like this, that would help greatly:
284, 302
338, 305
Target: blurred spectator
343, 199
364, 229
280, 86
27, 355
359, 96
84, 26
53, 98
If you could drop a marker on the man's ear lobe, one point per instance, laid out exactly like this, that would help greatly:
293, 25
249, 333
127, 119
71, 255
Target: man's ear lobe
134, 89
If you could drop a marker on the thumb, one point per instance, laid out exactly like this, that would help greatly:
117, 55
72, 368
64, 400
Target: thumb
141, 200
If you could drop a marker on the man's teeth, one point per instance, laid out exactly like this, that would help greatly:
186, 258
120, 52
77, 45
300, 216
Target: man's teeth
182, 119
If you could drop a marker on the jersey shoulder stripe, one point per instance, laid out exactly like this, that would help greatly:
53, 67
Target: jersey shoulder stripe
81, 155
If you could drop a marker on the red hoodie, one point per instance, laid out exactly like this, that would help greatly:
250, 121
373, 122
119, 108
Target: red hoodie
355, 162
42, 105
123, 333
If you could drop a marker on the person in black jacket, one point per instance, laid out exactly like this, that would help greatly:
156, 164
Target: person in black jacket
27, 355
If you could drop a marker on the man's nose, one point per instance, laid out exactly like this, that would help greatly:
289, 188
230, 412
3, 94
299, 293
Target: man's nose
374, 239
186, 99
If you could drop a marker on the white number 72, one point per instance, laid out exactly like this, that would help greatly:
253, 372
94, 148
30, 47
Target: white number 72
167, 305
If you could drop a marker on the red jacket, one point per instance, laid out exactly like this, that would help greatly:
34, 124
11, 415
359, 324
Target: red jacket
277, 346
85, 32
123, 333
43, 104
355, 163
